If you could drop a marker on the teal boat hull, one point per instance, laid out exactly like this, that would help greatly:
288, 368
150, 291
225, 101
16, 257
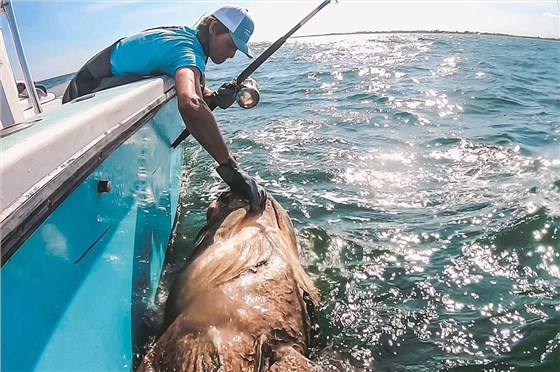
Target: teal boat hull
76, 292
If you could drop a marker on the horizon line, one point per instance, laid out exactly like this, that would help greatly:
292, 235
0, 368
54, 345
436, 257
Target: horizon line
428, 32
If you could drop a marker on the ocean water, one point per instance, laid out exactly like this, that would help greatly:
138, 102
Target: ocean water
58, 84
422, 172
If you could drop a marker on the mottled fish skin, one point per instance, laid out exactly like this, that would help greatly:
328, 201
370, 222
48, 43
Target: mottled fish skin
243, 302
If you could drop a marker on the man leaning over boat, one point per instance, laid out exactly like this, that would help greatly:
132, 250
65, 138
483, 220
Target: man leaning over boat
182, 53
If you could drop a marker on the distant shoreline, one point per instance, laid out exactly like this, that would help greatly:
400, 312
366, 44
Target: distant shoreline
428, 32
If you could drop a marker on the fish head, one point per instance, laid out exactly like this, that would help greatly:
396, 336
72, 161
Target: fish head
231, 213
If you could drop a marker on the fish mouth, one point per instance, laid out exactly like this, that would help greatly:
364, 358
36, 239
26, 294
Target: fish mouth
229, 213
226, 203
229, 202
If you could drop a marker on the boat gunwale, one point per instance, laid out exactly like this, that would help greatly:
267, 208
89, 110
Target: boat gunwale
22, 217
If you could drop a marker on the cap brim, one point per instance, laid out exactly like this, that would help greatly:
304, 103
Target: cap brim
242, 46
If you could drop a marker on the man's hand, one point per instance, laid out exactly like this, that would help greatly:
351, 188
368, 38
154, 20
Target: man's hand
225, 95
244, 185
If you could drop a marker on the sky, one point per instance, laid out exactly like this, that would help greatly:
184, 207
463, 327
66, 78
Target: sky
60, 35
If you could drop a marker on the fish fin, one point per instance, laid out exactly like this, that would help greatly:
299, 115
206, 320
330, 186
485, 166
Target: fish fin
286, 358
189, 352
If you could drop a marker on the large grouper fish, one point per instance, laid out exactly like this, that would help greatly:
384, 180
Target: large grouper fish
243, 301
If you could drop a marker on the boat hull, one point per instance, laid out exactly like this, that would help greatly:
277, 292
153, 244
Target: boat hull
74, 295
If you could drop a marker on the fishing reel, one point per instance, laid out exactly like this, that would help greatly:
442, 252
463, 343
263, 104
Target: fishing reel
248, 95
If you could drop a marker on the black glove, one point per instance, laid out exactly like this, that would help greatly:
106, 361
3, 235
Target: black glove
225, 95
243, 184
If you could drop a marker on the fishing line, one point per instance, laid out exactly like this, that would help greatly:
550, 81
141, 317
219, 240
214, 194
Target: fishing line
292, 50
281, 64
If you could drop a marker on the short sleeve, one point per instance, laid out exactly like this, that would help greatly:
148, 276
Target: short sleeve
185, 56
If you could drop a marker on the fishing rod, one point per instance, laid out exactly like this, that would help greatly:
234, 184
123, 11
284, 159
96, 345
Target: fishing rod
277, 44
244, 78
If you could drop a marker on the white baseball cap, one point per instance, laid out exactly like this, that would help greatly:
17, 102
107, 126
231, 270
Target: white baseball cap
240, 25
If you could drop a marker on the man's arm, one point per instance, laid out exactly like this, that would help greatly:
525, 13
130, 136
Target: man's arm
197, 116
201, 124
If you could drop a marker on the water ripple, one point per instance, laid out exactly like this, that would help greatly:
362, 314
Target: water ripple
423, 175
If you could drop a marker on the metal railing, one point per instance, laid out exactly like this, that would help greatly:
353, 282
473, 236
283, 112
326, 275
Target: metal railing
7, 8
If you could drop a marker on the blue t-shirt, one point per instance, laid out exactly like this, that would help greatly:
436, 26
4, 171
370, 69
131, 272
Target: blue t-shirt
158, 51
